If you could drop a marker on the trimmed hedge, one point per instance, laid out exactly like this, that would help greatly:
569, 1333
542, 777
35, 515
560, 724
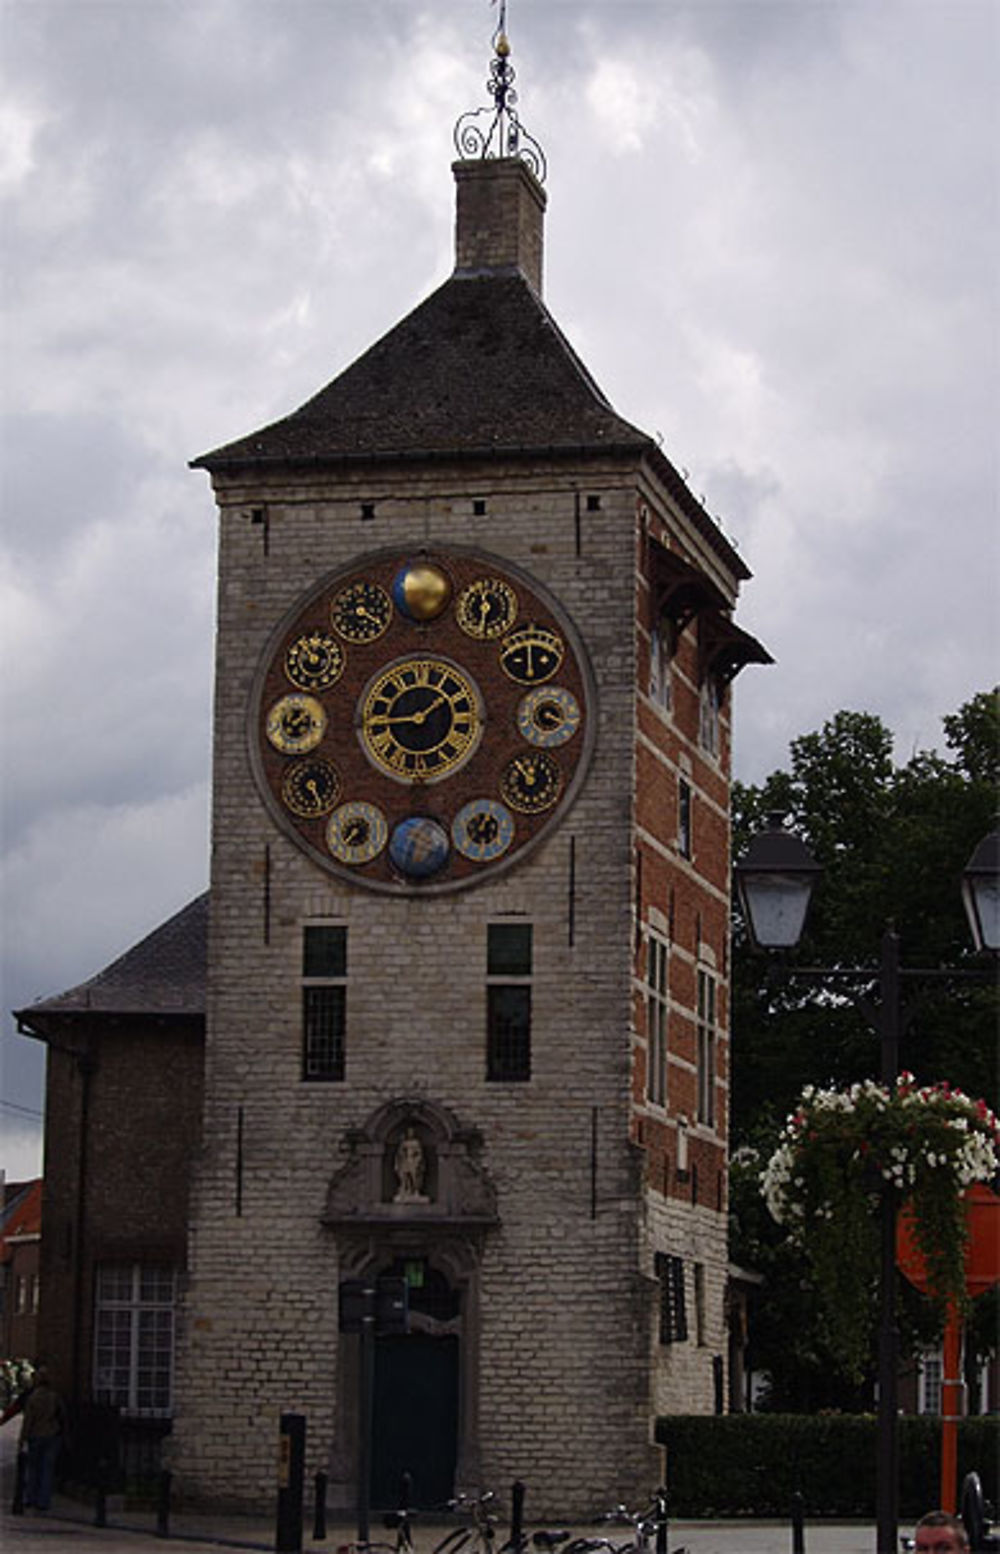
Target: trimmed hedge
752, 1464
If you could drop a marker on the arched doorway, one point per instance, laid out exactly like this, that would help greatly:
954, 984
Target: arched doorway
416, 1394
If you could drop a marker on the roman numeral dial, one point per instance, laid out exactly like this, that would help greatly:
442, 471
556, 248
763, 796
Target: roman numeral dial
420, 719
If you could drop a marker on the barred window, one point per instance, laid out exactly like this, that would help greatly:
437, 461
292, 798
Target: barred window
706, 1048
508, 1001
134, 1337
656, 1020
324, 1001
673, 1306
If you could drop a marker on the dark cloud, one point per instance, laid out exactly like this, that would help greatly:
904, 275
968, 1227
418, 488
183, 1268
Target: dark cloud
772, 236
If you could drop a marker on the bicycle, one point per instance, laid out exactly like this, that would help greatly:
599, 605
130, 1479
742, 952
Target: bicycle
479, 1534
645, 1526
475, 1536
400, 1521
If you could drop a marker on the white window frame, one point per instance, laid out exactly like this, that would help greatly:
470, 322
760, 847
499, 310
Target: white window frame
707, 1046
709, 714
930, 1377
685, 817
134, 1337
661, 658
657, 971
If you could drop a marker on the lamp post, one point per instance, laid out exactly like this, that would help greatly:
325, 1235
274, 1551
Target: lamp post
774, 883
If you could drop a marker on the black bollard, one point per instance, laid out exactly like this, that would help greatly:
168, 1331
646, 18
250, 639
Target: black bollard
661, 1520
319, 1508
291, 1483
163, 1504
798, 1524
517, 1515
405, 1531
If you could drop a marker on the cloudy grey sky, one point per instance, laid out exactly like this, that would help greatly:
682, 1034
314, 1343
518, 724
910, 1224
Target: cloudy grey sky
772, 236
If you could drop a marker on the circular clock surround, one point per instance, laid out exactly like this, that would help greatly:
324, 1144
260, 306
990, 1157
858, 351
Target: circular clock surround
413, 763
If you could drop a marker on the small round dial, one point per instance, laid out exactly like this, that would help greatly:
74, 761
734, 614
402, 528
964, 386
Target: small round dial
483, 830
419, 847
361, 612
314, 661
487, 608
311, 787
296, 724
531, 654
549, 716
356, 832
531, 782
420, 719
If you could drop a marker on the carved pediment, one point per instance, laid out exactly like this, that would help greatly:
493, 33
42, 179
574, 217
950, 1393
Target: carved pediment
411, 1164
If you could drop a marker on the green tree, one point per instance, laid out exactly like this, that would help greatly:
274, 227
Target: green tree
892, 842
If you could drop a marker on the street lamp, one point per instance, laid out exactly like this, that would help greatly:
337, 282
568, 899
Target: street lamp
774, 882
981, 893
775, 879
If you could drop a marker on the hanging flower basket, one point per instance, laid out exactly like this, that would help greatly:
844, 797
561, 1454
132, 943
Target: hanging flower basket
839, 1151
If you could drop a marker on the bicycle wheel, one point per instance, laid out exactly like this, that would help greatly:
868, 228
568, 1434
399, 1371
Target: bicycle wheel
454, 1541
973, 1511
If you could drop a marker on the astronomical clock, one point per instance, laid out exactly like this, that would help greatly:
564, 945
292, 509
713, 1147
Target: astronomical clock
421, 719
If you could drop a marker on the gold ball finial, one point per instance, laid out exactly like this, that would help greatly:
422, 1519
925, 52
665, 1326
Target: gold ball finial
503, 45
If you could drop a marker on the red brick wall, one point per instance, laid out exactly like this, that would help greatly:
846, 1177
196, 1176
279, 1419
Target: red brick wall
142, 1100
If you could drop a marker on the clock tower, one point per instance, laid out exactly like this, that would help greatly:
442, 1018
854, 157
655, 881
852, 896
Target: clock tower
468, 970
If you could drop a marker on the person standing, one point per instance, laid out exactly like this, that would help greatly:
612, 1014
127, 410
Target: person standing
43, 1428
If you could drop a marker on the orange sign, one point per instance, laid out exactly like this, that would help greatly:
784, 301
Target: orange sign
982, 1254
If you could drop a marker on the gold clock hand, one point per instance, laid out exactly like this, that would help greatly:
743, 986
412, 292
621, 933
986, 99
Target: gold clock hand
418, 717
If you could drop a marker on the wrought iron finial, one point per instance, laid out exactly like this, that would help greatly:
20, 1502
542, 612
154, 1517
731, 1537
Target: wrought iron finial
497, 131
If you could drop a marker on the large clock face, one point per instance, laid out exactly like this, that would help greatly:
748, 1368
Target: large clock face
421, 719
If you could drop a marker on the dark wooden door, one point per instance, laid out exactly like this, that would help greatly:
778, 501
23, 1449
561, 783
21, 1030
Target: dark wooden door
415, 1419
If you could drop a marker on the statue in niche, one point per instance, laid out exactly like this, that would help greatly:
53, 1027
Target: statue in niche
410, 1166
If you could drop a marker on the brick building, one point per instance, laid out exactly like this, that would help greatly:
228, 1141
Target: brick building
122, 1123
466, 1013
20, 1277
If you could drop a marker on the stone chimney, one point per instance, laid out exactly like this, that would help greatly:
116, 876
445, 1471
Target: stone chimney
499, 219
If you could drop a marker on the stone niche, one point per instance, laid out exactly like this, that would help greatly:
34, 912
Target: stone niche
412, 1163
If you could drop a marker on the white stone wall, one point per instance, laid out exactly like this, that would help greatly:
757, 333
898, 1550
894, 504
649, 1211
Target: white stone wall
564, 1304
682, 1373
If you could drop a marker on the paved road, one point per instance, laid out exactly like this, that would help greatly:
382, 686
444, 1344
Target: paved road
70, 1528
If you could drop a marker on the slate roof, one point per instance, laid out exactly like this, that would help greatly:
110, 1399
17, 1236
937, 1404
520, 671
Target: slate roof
479, 369
479, 366
164, 974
